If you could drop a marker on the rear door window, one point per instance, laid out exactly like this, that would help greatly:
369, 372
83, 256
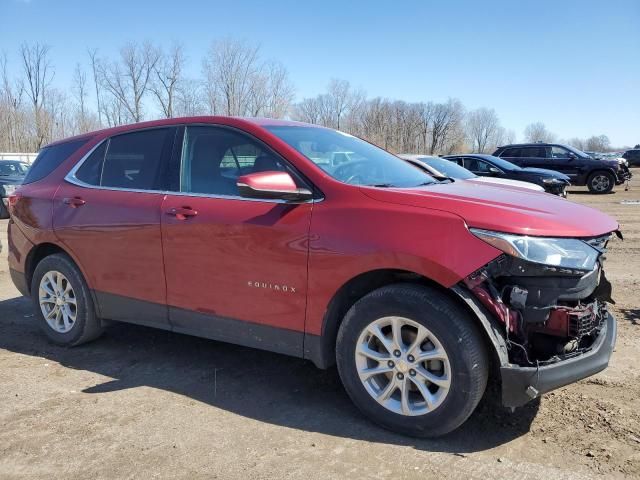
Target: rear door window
51, 158
132, 161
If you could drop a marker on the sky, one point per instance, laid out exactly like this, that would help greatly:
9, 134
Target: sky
573, 65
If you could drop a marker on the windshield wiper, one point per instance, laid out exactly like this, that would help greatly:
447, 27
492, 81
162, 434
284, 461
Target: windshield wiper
382, 185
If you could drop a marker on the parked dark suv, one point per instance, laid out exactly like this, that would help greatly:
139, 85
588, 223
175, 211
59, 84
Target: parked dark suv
599, 175
633, 157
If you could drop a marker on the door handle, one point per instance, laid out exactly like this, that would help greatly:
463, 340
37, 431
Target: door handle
74, 202
182, 213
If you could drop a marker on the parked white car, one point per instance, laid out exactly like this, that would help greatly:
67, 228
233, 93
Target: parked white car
441, 167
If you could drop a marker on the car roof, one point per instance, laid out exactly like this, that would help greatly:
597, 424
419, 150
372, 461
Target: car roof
483, 156
213, 119
531, 144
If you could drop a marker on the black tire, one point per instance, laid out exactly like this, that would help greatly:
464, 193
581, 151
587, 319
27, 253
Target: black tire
601, 182
456, 332
87, 326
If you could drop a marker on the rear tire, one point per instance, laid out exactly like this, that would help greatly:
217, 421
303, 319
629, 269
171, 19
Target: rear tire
601, 182
429, 398
63, 302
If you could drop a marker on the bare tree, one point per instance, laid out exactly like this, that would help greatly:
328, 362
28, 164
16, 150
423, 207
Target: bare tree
39, 74
537, 132
578, 143
189, 98
484, 130
238, 83
167, 77
129, 78
446, 126
597, 143
94, 69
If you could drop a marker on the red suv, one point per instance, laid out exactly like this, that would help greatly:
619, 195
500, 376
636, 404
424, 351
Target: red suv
251, 232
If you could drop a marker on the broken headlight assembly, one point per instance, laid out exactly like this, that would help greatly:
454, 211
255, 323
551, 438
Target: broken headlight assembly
567, 253
549, 293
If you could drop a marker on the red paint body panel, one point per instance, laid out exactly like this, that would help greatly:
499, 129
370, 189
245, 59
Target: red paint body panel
235, 258
126, 244
115, 237
504, 209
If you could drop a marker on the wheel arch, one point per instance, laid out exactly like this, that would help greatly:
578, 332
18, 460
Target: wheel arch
320, 349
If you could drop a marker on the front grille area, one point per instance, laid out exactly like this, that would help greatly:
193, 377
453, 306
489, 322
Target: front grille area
585, 321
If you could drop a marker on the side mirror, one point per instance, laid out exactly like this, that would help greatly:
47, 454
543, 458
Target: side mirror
272, 186
494, 171
571, 156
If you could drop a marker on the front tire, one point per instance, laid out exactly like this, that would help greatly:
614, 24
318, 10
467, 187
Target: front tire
63, 302
412, 360
601, 182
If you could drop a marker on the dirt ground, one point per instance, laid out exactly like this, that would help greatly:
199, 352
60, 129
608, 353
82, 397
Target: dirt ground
143, 403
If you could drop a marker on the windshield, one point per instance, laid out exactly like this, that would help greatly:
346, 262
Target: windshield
349, 159
13, 168
447, 168
579, 153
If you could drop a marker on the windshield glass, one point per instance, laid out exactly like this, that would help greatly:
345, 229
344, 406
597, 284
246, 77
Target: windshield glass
349, 159
448, 168
579, 153
13, 168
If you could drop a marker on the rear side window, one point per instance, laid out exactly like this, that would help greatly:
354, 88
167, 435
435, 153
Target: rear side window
51, 158
534, 152
130, 161
510, 152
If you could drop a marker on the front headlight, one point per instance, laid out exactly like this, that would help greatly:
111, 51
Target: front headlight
551, 180
557, 252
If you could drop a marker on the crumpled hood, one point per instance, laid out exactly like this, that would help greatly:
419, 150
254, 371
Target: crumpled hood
503, 209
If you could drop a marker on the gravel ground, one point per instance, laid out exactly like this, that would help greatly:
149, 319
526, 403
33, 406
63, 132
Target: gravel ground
145, 403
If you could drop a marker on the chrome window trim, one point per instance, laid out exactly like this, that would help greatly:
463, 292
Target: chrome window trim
71, 178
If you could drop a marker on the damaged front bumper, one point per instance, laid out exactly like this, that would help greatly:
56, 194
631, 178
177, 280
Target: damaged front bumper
522, 384
550, 326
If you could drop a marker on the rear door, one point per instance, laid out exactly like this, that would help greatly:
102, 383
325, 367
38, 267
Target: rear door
107, 214
236, 268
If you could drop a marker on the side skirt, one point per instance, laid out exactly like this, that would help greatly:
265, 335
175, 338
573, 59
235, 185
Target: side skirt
239, 332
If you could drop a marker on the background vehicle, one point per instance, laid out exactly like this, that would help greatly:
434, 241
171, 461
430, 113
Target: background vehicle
12, 174
632, 156
490, 166
599, 175
414, 287
439, 167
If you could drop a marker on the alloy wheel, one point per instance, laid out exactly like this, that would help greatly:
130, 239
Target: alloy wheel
600, 183
58, 301
403, 366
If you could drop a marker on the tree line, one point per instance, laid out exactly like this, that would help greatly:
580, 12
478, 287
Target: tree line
145, 81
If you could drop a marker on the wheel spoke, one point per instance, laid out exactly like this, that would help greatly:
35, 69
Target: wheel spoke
59, 283
404, 397
53, 312
377, 332
370, 372
424, 392
48, 299
443, 381
434, 354
396, 333
65, 319
70, 300
420, 337
386, 393
372, 354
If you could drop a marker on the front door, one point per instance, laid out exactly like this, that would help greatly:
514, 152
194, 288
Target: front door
107, 214
236, 268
